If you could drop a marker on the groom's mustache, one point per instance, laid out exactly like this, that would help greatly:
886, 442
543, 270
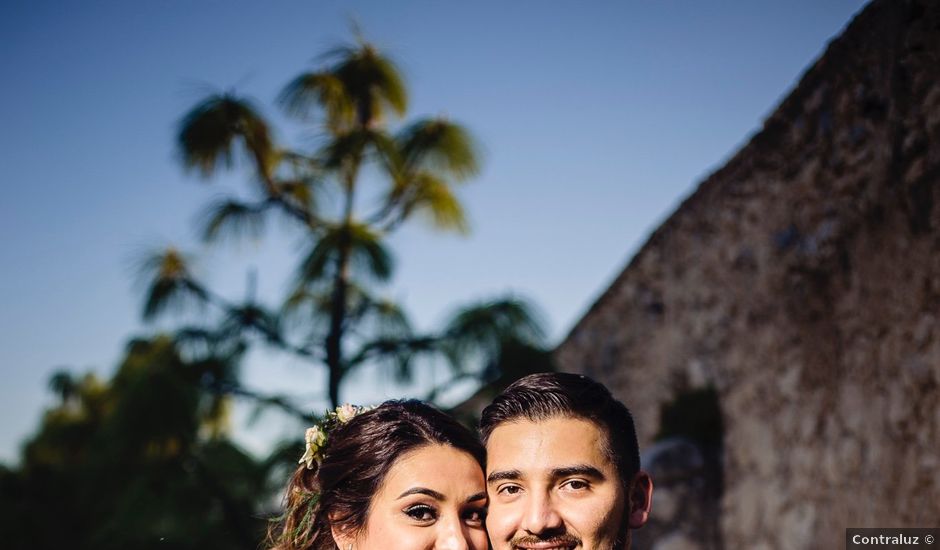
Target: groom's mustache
553, 540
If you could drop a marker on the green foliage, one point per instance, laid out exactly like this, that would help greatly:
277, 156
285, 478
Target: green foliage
232, 217
211, 131
485, 327
367, 256
171, 283
359, 86
309, 91
136, 462
437, 145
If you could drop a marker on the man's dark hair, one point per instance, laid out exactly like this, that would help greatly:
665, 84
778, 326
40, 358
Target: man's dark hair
548, 395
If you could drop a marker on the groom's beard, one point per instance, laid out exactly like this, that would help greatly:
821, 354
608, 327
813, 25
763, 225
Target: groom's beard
560, 539
623, 536
622, 542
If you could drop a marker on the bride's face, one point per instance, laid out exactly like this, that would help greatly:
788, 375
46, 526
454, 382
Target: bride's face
432, 498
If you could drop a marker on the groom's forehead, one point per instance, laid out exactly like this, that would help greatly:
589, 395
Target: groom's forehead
553, 439
560, 420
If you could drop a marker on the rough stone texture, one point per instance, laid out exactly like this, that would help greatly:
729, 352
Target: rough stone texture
686, 512
802, 282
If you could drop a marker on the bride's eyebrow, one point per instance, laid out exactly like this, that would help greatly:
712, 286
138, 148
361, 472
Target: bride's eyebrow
479, 496
422, 491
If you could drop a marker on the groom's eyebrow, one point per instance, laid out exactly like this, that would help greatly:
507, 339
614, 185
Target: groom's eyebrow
503, 475
585, 470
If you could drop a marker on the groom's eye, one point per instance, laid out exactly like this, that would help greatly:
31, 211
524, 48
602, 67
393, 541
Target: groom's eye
510, 490
577, 484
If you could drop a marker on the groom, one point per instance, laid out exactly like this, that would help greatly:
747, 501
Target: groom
563, 466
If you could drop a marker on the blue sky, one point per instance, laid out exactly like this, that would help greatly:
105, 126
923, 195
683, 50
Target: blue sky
596, 119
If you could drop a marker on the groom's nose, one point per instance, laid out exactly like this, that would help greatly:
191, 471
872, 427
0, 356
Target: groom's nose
541, 515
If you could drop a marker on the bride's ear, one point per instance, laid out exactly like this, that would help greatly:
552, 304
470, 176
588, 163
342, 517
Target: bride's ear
342, 536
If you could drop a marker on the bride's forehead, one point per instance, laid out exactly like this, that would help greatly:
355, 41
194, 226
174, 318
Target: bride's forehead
431, 454
440, 468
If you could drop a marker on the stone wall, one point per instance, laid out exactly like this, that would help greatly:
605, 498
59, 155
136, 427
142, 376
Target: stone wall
801, 281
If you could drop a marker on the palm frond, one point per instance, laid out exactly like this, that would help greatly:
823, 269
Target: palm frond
378, 317
397, 353
440, 146
307, 309
251, 316
373, 82
210, 132
299, 193
310, 307
358, 87
200, 343
64, 384
345, 148
171, 284
318, 90
367, 255
302, 165
355, 145
484, 328
389, 319
302, 297
434, 198
230, 217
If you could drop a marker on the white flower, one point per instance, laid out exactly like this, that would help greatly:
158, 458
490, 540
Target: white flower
314, 438
346, 412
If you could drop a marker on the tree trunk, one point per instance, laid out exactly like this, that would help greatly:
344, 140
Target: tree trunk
334, 339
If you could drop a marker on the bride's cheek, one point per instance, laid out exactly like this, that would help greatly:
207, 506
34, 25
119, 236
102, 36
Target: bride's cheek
480, 541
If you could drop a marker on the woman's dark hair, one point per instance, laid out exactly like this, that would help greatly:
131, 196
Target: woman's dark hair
357, 457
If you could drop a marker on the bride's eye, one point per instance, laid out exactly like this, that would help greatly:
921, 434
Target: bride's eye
475, 516
421, 512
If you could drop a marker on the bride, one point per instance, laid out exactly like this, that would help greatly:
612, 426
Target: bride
401, 476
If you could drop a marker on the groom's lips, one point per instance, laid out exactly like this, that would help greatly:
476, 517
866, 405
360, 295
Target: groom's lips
545, 546
567, 543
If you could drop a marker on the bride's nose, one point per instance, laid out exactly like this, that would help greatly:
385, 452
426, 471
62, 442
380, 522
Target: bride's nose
451, 536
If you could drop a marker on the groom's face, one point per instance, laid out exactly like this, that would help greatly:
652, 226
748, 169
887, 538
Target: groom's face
551, 486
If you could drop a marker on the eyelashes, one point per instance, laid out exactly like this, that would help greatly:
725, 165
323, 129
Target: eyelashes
421, 513
577, 484
475, 516
426, 515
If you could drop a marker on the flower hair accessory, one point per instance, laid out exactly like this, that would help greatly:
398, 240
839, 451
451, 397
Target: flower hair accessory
315, 438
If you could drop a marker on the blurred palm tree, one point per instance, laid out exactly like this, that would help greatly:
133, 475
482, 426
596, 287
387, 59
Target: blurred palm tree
345, 217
